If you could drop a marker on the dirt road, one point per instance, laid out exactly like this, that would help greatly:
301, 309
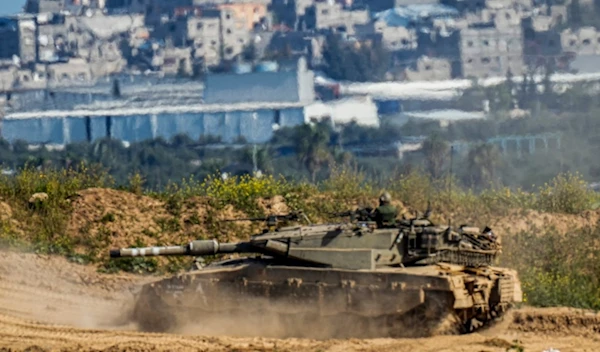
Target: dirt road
49, 304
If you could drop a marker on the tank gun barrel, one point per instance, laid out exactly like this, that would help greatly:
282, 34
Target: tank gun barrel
272, 220
194, 248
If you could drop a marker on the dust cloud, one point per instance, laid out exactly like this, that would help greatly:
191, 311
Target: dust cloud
282, 318
52, 290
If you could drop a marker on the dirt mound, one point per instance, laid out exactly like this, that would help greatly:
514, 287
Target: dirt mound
566, 321
117, 217
534, 221
107, 218
275, 205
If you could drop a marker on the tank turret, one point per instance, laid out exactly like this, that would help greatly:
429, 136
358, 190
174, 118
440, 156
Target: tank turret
349, 245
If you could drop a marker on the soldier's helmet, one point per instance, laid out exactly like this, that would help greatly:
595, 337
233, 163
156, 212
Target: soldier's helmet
385, 198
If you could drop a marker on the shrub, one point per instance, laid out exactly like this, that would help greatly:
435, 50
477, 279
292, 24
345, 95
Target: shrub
243, 191
555, 269
566, 193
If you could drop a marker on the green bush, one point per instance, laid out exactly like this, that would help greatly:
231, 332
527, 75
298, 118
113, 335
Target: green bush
557, 269
566, 193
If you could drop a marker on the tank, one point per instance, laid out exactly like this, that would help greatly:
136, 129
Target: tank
352, 278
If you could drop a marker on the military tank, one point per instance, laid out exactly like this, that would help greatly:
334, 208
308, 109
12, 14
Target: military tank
345, 279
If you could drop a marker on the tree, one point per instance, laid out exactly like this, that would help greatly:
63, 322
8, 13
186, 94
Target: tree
181, 69
435, 150
574, 14
312, 146
261, 155
333, 55
250, 53
510, 82
483, 161
549, 69
116, 89
368, 62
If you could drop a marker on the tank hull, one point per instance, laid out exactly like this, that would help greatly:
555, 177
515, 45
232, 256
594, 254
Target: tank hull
329, 303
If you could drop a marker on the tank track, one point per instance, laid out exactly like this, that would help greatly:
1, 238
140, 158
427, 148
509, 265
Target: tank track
461, 257
430, 319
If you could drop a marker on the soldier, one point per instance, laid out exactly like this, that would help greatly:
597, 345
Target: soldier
385, 214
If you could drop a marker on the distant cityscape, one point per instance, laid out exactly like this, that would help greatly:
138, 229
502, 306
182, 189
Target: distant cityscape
73, 70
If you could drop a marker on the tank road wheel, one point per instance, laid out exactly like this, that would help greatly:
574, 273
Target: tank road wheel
151, 314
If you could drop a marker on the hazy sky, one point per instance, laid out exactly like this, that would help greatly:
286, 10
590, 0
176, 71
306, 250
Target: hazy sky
10, 6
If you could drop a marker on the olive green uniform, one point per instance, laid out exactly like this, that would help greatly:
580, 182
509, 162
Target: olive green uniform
385, 215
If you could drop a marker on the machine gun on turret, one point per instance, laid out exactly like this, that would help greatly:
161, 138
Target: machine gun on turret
360, 214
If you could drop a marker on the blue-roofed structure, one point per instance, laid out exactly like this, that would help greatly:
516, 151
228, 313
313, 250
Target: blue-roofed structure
411, 15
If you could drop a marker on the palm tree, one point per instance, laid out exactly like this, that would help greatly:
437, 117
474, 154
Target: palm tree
436, 151
312, 146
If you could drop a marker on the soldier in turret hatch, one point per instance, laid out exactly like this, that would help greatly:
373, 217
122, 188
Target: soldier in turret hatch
385, 214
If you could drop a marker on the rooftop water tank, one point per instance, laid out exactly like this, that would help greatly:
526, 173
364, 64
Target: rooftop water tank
267, 66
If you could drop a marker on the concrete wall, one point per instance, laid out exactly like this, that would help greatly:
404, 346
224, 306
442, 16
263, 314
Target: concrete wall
283, 86
251, 87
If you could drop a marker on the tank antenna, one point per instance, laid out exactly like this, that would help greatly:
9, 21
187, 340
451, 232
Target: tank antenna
450, 181
450, 178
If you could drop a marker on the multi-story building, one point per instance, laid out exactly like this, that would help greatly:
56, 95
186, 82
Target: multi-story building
252, 13
212, 34
205, 36
583, 41
394, 38
45, 6
465, 6
324, 15
148, 7
382, 5
18, 39
491, 51
291, 13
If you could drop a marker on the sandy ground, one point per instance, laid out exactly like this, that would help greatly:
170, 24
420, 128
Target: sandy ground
49, 304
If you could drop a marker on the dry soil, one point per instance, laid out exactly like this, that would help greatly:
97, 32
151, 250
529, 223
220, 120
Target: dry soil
50, 304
